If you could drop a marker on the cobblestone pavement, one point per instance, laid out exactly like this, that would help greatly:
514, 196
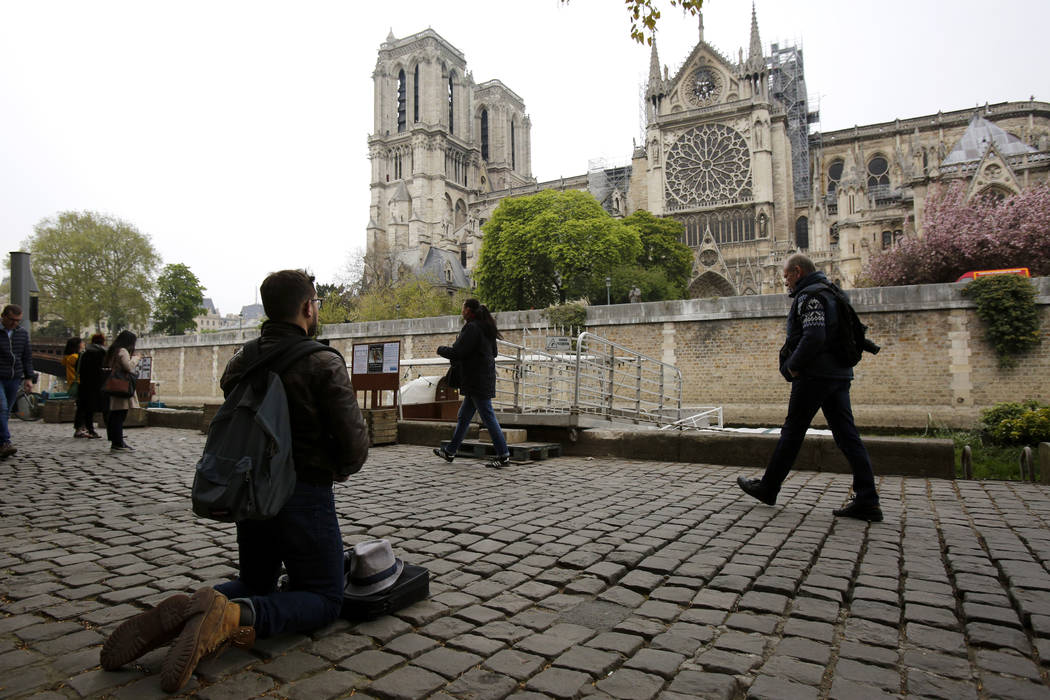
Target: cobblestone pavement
565, 578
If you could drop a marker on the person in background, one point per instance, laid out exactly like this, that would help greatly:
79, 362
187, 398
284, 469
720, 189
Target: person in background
475, 353
70, 356
16, 370
121, 355
89, 396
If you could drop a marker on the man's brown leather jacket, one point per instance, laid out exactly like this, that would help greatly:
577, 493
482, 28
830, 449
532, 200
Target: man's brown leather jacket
329, 435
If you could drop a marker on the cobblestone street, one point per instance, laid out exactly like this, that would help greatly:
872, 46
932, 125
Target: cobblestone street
563, 578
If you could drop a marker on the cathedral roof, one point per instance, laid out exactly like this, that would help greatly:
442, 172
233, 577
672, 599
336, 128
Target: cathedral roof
981, 134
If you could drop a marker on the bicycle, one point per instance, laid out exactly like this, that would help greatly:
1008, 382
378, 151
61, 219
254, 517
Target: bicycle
26, 405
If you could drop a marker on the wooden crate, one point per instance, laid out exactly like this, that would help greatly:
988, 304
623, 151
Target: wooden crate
382, 425
59, 411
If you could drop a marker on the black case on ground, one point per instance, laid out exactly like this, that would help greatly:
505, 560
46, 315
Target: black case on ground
413, 585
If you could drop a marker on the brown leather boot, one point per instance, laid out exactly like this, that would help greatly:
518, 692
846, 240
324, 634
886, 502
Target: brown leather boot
213, 622
144, 632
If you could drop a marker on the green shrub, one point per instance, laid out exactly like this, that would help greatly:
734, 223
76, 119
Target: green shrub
1024, 423
1006, 304
571, 316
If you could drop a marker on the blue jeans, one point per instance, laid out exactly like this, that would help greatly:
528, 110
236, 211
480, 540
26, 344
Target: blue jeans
305, 537
7, 400
832, 397
483, 406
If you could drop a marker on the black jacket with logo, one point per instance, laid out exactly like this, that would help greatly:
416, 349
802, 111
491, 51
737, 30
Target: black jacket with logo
811, 329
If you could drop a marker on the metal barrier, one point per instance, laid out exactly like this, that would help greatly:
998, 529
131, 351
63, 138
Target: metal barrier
594, 382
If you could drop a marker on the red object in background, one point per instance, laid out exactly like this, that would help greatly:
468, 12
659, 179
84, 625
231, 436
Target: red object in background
974, 274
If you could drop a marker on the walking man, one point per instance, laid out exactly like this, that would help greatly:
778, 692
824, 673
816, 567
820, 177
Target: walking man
818, 381
16, 370
330, 442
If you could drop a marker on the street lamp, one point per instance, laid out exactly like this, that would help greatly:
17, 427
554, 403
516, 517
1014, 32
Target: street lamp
397, 308
608, 287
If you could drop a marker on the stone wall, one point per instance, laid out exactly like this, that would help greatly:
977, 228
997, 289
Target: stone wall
934, 362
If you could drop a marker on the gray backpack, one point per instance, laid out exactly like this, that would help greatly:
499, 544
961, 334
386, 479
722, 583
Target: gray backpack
246, 471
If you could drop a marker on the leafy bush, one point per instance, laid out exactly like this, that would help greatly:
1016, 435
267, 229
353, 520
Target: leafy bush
1017, 423
1006, 304
572, 316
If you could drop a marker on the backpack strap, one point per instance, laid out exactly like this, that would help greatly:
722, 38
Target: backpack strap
283, 354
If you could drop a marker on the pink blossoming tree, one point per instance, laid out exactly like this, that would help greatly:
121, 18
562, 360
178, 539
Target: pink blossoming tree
982, 234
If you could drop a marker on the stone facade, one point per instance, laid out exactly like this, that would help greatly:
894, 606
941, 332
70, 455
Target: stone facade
934, 361
728, 152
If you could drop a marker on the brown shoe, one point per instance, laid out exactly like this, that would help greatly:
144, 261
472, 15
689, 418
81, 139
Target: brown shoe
213, 622
6, 450
144, 632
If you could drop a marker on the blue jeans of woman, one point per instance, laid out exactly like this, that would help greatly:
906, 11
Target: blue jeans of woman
483, 406
305, 537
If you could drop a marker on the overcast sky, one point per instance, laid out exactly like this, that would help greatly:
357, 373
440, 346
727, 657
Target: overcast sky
234, 133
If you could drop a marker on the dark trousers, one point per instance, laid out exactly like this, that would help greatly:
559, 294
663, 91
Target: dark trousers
483, 406
115, 427
305, 537
86, 407
832, 397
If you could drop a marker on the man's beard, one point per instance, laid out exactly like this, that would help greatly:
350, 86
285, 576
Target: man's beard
311, 330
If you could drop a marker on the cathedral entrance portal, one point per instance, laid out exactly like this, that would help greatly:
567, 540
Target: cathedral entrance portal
711, 284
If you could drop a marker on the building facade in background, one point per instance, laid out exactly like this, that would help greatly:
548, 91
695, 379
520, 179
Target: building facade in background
729, 151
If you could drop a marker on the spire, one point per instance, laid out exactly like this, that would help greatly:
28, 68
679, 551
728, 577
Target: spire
654, 65
756, 44
700, 14
390, 38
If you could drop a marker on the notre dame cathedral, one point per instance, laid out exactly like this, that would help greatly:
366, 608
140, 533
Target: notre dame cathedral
728, 152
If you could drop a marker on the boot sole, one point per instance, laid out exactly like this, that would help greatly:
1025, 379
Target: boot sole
204, 613
144, 632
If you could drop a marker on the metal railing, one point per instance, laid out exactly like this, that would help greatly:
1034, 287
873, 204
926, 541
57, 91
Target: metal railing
592, 380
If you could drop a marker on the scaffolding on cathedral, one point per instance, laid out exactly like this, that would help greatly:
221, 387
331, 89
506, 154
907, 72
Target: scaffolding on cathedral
788, 85
608, 184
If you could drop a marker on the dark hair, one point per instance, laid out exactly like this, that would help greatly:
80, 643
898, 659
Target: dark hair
12, 310
98, 339
72, 346
283, 292
124, 339
480, 313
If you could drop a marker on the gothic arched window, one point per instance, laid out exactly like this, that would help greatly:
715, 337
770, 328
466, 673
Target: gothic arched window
887, 240
878, 174
484, 134
802, 233
451, 103
513, 147
401, 98
834, 175
415, 95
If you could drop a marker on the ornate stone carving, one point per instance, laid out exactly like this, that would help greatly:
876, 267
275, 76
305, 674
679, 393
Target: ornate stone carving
707, 165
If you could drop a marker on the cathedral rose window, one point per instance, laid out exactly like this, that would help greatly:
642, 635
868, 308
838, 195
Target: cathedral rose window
704, 86
708, 165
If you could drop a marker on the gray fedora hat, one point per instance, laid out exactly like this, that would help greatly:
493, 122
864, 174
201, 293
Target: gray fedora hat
373, 568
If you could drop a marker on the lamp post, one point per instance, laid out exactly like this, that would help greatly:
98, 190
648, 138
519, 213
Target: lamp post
608, 287
240, 325
397, 308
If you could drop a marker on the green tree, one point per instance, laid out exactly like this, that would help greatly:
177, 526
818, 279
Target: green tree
668, 263
180, 299
91, 267
644, 15
548, 247
410, 297
337, 306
